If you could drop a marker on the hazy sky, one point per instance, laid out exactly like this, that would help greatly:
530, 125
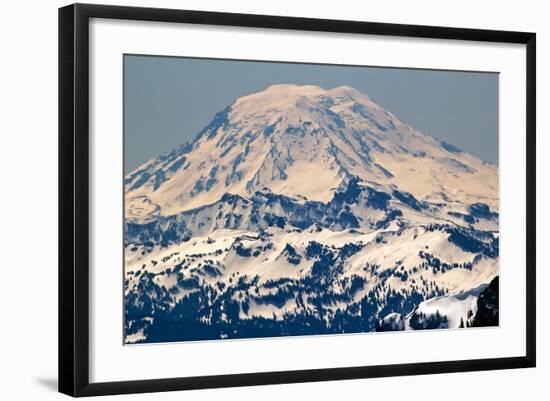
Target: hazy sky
167, 100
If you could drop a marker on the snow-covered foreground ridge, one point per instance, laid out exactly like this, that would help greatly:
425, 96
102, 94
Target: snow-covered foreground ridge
300, 210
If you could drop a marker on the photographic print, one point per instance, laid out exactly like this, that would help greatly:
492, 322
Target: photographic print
268, 199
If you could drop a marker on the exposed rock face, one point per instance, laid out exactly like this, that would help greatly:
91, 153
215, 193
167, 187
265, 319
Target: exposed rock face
488, 306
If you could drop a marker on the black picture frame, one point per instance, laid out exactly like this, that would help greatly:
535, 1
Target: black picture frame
74, 202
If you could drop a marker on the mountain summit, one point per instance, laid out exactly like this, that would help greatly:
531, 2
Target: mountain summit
306, 142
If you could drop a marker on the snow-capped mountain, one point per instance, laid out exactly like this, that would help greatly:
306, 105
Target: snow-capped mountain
305, 141
300, 210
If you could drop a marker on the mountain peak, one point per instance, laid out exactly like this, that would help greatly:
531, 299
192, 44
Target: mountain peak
286, 96
287, 90
345, 90
294, 87
278, 95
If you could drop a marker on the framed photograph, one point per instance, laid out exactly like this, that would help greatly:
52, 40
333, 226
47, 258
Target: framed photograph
249, 199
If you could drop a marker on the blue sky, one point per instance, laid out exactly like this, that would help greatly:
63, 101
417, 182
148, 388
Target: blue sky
167, 100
